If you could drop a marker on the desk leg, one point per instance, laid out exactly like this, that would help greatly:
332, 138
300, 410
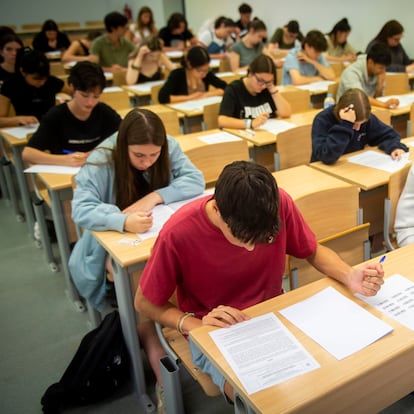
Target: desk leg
125, 297
23, 187
64, 249
10, 189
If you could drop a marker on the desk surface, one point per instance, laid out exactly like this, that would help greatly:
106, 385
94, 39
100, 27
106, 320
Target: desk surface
365, 382
156, 108
366, 178
406, 100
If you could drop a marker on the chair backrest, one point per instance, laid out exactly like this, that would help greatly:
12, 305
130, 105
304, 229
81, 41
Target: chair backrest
210, 116
224, 65
384, 115
338, 68
116, 99
279, 76
154, 93
119, 78
352, 245
396, 185
293, 147
65, 25
171, 122
94, 23
410, 122
210, 159
396, 83
57, 69
32, 26
333, 89
299, 99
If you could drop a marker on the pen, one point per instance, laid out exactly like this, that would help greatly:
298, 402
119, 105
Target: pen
351, 106
382, 259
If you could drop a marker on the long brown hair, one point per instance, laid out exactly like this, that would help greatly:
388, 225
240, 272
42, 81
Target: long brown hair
360, 102
139, 127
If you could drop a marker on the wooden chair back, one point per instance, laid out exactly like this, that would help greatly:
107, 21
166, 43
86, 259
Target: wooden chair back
57, 69
384, 115
396, 185
293, 147
279, 76
154, 94
67, 25
410, 122
299, 99
352, 245
396, 84
171, 122
94, 23
210, 116
333, 89
32, 26
118, 99
338, 68
210, 159
224, 65
119, 78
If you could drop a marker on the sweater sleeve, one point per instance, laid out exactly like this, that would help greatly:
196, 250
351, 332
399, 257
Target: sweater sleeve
212, 79
176, 84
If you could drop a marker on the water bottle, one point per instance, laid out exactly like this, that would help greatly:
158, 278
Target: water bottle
328, 101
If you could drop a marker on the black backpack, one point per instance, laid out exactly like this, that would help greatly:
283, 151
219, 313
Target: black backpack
99, 368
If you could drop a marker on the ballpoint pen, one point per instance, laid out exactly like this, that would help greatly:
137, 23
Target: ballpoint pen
381, 261
349, 107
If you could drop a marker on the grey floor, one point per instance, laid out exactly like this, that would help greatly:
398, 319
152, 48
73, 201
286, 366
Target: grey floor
40, 332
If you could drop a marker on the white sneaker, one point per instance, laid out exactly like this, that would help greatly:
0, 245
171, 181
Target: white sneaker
159, 392
36, 231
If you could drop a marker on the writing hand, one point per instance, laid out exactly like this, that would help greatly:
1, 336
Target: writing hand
367, 280
392, 103
224, 316
260, 120
76, 159
397, 154
27, 120
139, 222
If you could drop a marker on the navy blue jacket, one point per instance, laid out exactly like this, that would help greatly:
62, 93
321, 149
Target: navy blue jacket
333, 137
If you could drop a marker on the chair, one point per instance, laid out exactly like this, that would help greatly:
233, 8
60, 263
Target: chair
117, 98
299, 99
338, 68
119, 78
35, 27
66, 25
210, 116
170, 120
154, 93
410, 122
279, 76
94, 23
396, 185
293, 147
384, 115
333, 89
224, 65
352, 245
396, 84
210, 159
57, 69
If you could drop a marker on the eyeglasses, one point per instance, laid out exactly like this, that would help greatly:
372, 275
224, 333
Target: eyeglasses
261, 81
202, 71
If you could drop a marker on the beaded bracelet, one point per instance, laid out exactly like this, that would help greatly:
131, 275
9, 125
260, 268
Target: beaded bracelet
180, 321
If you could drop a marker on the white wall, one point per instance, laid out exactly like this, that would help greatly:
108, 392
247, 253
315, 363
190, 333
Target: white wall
366, 17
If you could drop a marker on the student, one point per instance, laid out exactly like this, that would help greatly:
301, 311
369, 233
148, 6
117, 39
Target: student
150, 169
404, 218
68, 132
79, 50
143, 27
111, 50
31, 92
176, 35
220, 241
390, 35
339, 50
192, 80
349, 126
306, 64
9, 46
146, 63
50, 39
249, 102
218, 40
368, 73
245, 13
287, 37
243, 52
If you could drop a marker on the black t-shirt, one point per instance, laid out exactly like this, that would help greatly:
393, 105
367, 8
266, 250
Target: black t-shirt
171, 40
60, 130
4, 76
239, 103
28, 100
40, 42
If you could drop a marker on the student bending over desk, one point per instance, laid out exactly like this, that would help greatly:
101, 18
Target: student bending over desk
349, 126
229, 253
249, 102
192, 81
124, 178
68, 132
79, 49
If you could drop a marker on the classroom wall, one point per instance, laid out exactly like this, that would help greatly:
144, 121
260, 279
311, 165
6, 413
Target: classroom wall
365, 17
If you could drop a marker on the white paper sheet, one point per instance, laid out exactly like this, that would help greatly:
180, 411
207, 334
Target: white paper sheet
336, 323
276, 125
146, 86
112, 89
378, 160
316, 86
196, 105
395, 299
218, 137
405, 100
52, 169
263, 352
21, 132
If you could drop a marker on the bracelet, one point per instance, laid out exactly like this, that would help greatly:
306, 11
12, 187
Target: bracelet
136, 67
248, 123
180, 321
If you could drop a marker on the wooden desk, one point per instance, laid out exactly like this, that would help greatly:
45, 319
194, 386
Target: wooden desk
142, 91
372, 181
363, 383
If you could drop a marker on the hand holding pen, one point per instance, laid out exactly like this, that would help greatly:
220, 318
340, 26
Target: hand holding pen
372, 277
75, 159
348, 113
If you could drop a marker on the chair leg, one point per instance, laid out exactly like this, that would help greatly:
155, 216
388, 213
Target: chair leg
170, 373
3, 185
95, 317
240, 407
11, 189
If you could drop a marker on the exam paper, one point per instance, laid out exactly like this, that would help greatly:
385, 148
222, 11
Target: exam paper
217, 137
146, 86
395, 299
405, 100
263, 352
316, 86
160, 213
275, 126
52, 169
380, 161
196, 105
21, 132
336, 323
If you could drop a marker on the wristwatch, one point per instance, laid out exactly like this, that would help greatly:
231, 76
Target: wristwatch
248, 123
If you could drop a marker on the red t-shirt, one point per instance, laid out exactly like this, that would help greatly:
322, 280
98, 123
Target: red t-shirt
192, 256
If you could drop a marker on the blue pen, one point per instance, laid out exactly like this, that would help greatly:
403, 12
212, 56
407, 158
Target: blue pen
382, 259
65, 151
